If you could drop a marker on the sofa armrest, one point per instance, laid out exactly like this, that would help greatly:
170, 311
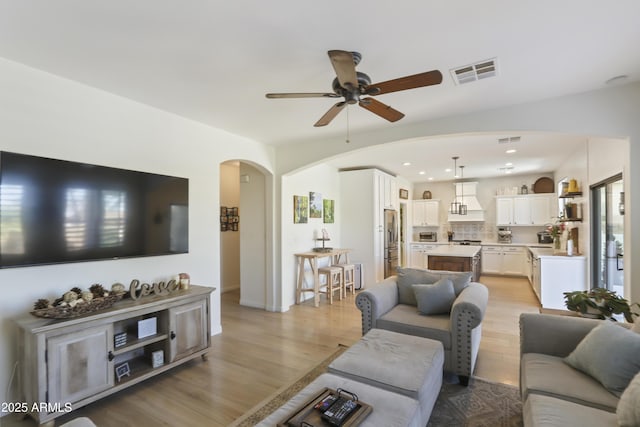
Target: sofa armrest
551, 334
470, 306
375, 301
466, 318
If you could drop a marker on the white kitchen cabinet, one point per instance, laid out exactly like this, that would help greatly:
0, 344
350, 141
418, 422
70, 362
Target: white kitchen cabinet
521, 211
362, 208
529, 266
524, 210
507, 260
491, 260
389, 191
425, 213
541, 210
559, 274
504, 211
420, 254
514, 260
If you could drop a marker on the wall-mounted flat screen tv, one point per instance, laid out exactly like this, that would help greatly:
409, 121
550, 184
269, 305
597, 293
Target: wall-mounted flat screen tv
57, 211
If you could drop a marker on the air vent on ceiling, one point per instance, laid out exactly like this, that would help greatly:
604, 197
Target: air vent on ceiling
473, 72
508, 139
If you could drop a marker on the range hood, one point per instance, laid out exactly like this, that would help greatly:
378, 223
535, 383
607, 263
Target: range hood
466, 192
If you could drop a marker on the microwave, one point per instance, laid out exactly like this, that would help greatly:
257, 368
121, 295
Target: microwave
428, 236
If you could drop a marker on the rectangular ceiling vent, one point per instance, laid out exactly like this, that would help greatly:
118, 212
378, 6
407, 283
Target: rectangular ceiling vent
508, 140
474, 72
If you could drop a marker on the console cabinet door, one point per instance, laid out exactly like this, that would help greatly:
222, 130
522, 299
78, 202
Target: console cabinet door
189, 329
79, 365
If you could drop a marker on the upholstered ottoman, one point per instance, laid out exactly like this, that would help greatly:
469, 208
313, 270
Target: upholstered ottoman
400, 363
389, 409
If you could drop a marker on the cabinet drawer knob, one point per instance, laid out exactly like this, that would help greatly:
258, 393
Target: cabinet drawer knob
110, 356
173, 335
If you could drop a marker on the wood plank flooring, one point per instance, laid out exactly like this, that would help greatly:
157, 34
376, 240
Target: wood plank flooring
259, 352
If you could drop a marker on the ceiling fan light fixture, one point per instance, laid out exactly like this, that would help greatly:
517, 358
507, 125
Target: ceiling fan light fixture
351, 85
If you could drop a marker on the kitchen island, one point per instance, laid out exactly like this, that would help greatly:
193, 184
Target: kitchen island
455, 258
554, 274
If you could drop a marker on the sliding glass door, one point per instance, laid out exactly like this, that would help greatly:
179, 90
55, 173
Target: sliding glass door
607, 234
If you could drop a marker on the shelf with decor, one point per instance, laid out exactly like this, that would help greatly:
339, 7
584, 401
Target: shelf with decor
83, 359
570, 195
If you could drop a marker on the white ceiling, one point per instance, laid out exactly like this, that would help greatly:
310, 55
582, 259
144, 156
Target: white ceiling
213, 61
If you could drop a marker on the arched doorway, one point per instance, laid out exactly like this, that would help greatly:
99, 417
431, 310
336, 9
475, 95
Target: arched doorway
246, 233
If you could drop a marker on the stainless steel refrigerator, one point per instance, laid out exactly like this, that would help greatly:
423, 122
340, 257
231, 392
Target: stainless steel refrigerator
390, 242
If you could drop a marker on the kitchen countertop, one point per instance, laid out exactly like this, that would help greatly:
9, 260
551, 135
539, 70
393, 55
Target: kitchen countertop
548, 253
456, 250
489, 243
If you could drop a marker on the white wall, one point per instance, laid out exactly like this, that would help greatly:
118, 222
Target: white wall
253, 238
230, 240
44, 115
296, 238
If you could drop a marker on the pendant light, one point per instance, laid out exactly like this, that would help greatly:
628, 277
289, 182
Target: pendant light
462, 209
454, 208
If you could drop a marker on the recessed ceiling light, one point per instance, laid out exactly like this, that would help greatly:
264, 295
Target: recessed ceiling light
422, 172
508, 164
511, 151
430, 178
406, 164
447, 170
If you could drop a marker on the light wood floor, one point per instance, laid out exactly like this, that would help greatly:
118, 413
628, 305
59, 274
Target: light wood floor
260, 352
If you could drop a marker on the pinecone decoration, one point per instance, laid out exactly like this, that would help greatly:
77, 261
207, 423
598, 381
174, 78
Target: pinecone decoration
57, 301
40, 304
77, 290
97, 290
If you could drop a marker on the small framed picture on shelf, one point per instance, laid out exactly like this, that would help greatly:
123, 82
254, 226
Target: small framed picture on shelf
122, 371
157, 358
120, 339
404, 194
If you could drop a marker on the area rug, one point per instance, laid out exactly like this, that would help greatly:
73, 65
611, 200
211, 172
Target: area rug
481, 404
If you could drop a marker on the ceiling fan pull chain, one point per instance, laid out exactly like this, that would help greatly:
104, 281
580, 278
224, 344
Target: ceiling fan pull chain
348, 140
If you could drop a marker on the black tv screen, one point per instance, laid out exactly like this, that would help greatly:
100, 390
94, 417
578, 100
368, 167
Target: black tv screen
57, 211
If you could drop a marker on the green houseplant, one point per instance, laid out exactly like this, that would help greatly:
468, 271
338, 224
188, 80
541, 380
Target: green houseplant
600, 303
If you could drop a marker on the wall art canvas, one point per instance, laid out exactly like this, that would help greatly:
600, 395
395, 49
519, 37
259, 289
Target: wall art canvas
300, 209
329, 209
315, 205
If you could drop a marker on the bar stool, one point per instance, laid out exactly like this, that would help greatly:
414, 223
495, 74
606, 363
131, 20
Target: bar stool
348, 277
333, 282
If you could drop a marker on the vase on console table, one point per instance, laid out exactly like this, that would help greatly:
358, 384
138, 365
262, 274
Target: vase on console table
557, 244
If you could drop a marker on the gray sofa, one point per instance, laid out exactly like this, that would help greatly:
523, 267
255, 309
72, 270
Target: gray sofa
555, 393
459, 331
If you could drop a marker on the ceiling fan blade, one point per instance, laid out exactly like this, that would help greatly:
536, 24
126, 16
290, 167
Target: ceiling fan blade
383, 110
301, 95
345, 68
329, 115
428, 78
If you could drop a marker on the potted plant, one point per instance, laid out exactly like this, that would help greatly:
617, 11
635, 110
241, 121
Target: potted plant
600, 303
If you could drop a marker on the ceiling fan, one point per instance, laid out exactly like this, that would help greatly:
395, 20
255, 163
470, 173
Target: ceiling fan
352, 85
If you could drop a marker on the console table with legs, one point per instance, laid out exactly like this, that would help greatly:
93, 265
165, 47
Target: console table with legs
66, 364
335, 255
